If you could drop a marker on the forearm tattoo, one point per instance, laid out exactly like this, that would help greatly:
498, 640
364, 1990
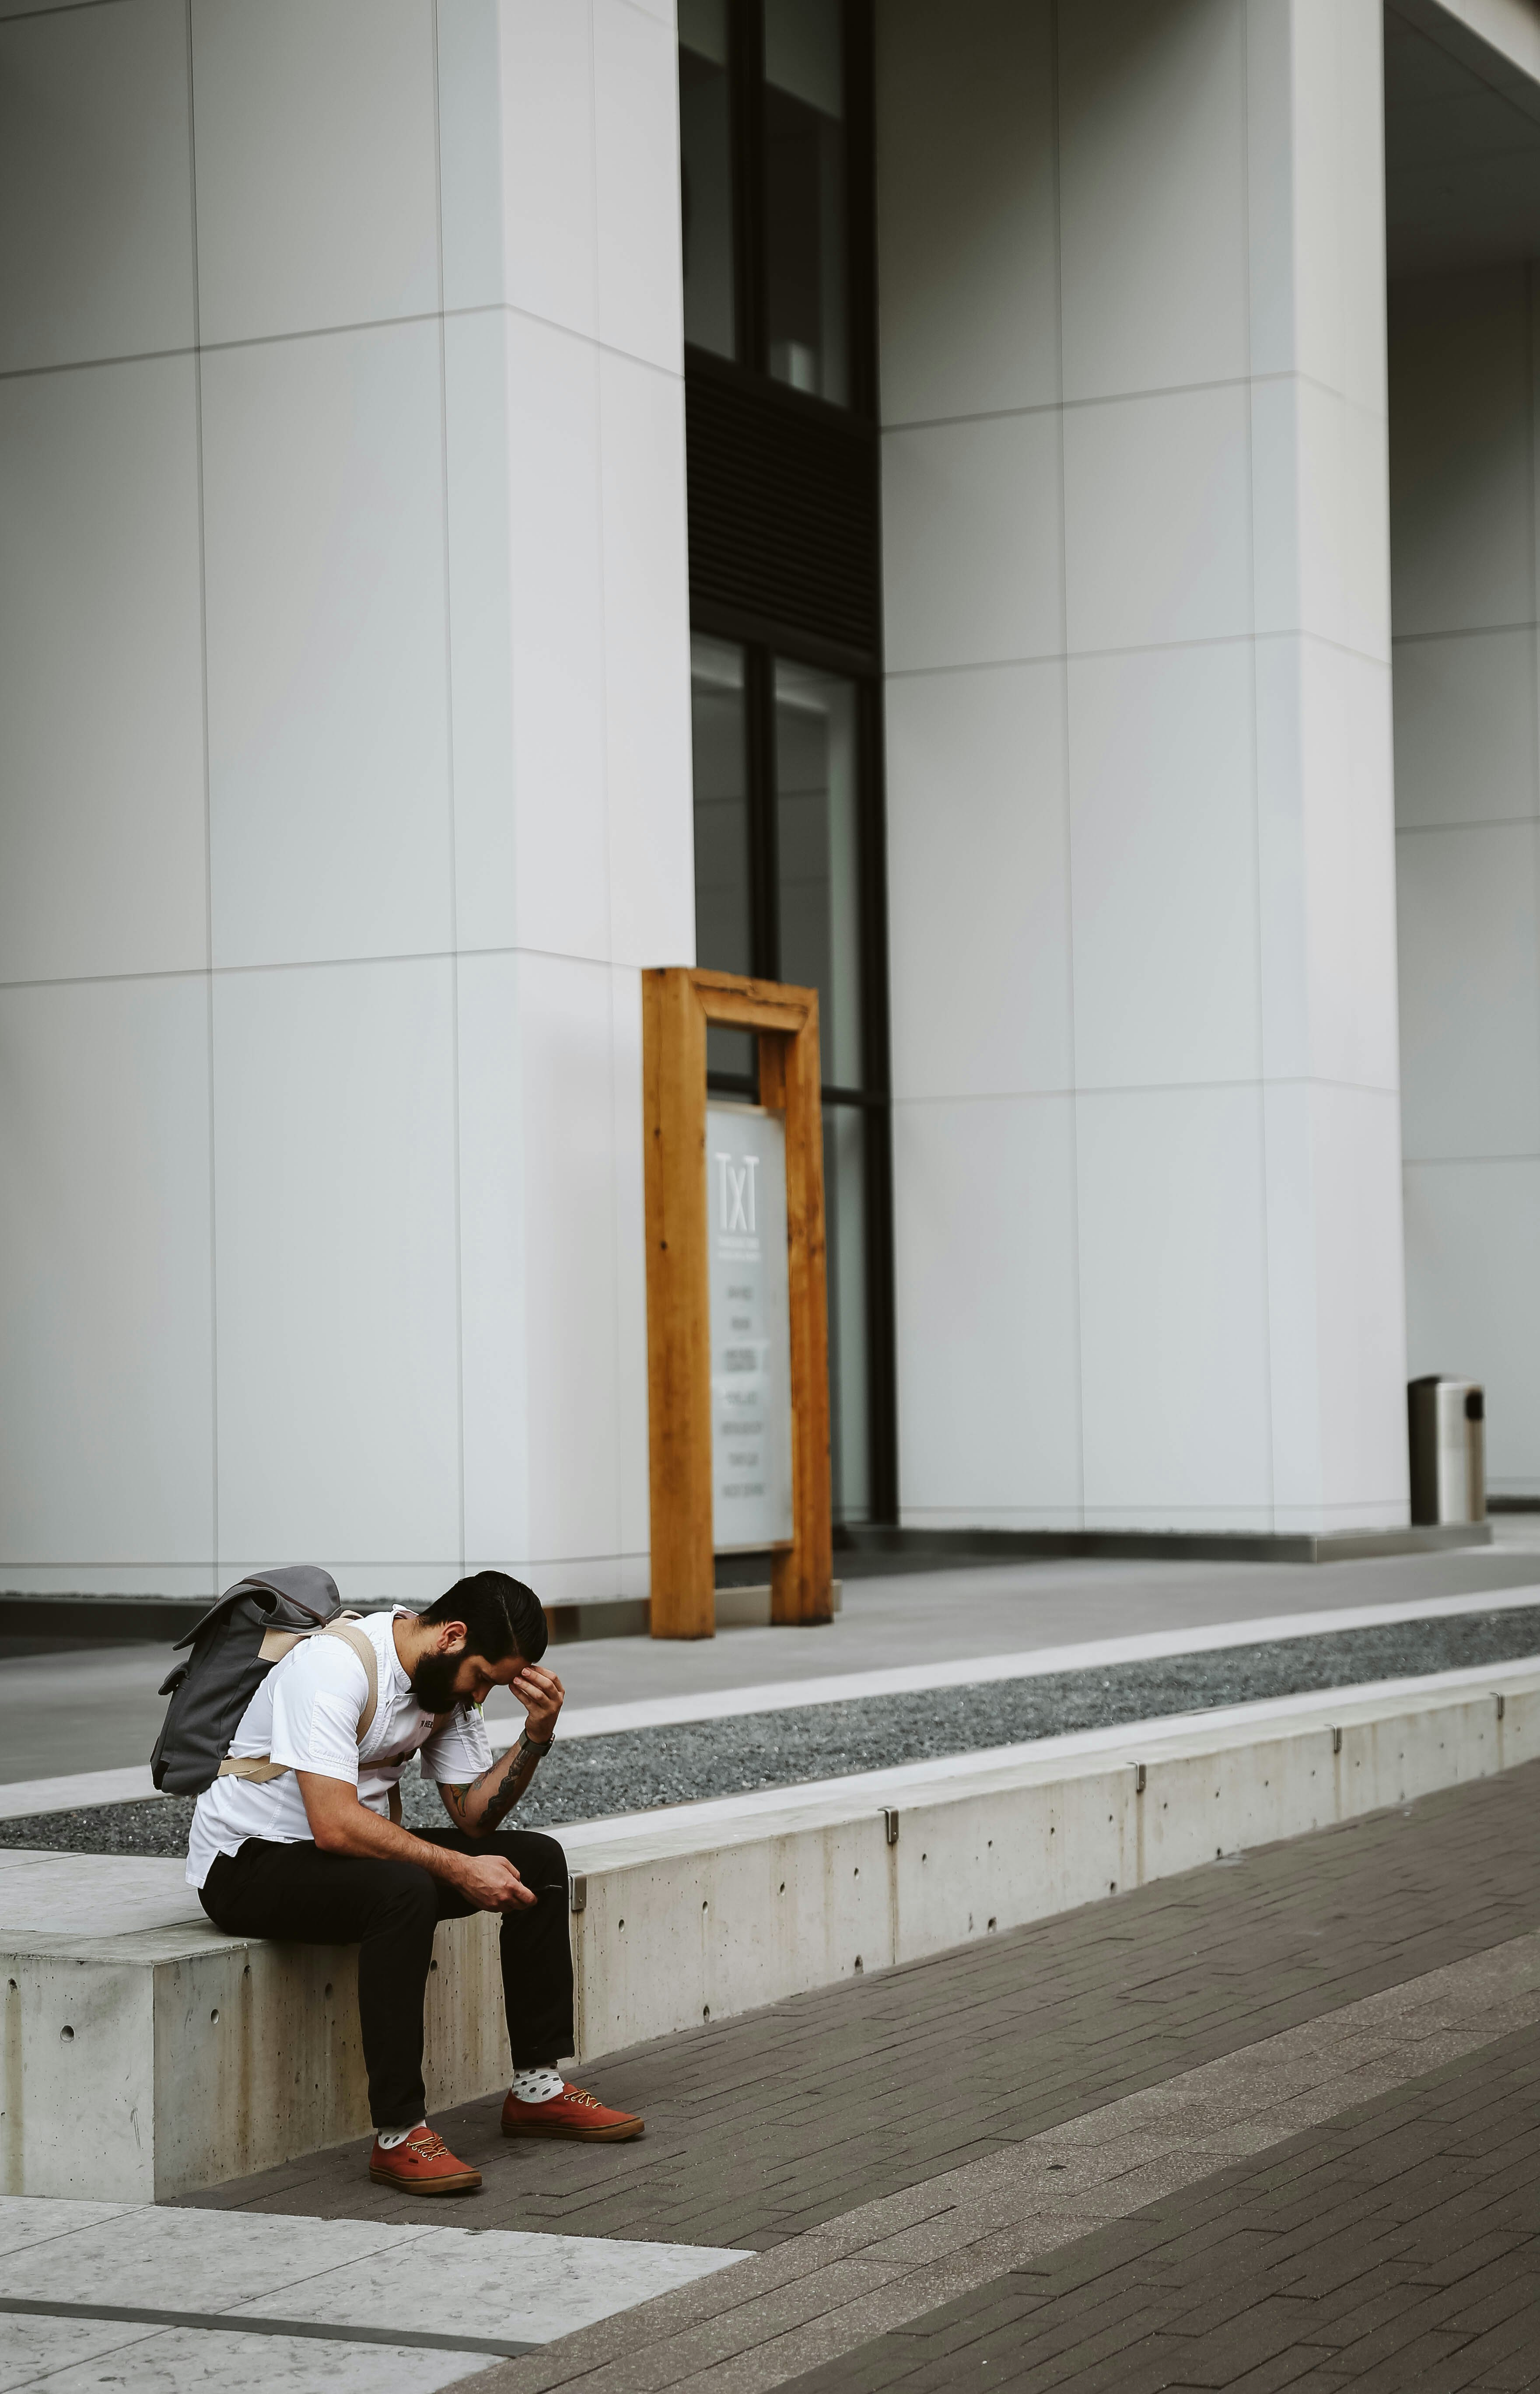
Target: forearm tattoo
514, 1771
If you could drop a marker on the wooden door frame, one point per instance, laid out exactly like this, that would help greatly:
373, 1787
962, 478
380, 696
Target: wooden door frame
676, 1005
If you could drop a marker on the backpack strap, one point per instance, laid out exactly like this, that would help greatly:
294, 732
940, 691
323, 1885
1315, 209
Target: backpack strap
278, 1642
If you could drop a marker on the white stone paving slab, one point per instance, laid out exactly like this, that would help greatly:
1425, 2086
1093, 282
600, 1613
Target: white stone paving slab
25, 2221
193, 2260
500, 2282
195, 2360
30, 2349
491, 2283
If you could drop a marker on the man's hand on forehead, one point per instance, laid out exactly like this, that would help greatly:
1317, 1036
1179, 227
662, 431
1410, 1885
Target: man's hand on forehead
542, 1695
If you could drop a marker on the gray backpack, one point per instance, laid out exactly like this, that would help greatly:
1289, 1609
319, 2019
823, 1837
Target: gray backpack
235, 1647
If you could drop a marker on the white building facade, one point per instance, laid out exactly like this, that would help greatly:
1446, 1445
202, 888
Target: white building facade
346, 752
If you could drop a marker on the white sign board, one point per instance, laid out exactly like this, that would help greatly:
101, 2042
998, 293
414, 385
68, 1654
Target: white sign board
751, 1376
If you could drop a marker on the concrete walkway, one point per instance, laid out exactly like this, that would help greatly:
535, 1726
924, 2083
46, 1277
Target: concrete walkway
62, 1715
1272, 2123
1310, 2078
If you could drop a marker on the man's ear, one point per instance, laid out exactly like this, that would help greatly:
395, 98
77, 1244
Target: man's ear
452, 1636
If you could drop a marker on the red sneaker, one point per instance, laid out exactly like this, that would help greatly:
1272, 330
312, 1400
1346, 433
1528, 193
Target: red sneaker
422, 2164
571, 2113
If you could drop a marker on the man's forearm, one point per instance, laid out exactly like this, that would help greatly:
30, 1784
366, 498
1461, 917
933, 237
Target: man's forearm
360, 1830
488, 1800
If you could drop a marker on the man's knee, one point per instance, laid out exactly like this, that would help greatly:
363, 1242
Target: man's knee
540, 1860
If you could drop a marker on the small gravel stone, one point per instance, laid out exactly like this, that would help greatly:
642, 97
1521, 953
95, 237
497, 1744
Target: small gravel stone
636, 1771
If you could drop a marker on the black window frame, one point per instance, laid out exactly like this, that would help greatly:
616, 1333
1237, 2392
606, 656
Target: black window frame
746, 89
764, 638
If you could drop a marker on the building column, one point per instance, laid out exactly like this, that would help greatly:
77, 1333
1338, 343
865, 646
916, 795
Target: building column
1139, 767
345, 742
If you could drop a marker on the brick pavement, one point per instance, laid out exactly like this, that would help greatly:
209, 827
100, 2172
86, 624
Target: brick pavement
764, 2127
1394, 2250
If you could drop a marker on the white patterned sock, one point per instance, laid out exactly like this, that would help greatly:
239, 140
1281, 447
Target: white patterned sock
389, 2138
535, 2086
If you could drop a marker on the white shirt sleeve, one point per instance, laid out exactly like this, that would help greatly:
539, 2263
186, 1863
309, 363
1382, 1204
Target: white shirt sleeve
459, 1751
319, 1692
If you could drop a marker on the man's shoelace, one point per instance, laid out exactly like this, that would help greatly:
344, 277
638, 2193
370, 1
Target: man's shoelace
569, 2095
428, 2146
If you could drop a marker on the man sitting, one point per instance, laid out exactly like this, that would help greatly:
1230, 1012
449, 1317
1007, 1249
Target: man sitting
311, 1851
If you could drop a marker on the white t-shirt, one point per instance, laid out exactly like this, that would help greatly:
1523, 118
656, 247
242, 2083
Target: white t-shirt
306, 1714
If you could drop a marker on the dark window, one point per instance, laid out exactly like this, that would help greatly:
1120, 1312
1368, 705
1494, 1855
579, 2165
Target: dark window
787, 886
776, 136
705, 178
807, 322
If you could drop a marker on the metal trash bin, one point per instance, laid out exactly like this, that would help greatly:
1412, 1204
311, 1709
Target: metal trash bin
1446, 1421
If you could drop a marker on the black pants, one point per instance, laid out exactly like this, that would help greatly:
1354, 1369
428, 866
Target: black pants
298, 1895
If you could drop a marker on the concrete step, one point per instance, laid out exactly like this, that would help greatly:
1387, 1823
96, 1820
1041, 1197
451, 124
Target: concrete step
147, 2055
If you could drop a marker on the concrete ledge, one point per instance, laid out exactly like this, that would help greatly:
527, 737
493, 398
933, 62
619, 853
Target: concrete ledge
145, 2055
631, 1616
880, 1550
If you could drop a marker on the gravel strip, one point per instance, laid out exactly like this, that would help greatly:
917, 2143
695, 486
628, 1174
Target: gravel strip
637, 1769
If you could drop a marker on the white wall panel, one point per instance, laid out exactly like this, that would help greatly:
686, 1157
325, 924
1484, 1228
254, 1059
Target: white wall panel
1321, 525
442, 663
1220, 478
328, 699
317, 171
1466, 715
971, 542
1163, 867
641, 289
102, 866
631, 1413
1469, 917
1315, 200
1473, 1296
969, 265
1152, 167
1328, 920
479, 478
1462, 558
978, 884
1468, 848
527, 616
987, 1326
107, 1454
96, 185
552, 1269
540, 255
646, 663
335, 1197
569, 1258
494, 1262
1337, 1313
1172, 1307
1157, 520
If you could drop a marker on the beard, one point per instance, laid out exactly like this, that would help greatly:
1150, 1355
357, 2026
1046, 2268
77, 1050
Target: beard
433, 1682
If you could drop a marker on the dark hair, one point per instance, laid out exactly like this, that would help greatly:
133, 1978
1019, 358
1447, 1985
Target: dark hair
501, 1616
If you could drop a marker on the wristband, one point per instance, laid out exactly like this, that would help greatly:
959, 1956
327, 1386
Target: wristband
531, 1745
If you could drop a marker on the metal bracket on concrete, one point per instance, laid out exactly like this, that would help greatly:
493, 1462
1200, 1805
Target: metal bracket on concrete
1139, 1777
1502, 1706
578, 1888
890, 1823
1337, 1740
